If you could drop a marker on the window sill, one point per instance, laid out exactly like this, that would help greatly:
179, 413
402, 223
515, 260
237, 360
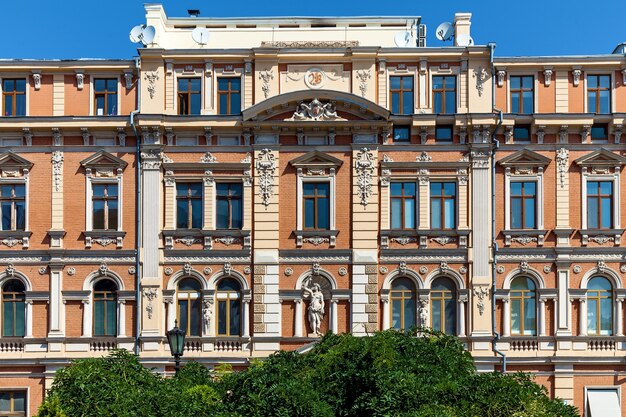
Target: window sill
104, 238
189, 237
524, 236
423, 236
12, 238
601, 236
316, 237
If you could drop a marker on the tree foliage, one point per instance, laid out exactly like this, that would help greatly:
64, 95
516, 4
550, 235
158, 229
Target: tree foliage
389, 373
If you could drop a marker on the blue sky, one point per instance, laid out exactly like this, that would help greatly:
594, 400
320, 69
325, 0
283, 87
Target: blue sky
99, 29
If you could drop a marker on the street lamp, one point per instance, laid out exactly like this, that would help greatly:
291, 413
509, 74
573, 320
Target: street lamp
176, 339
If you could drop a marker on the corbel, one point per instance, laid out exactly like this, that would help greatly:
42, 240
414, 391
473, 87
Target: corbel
85, 134
121, 136
576, 73
547, 74
37, 79
128, 77
80, 80
169, 136
28, 136
501, 75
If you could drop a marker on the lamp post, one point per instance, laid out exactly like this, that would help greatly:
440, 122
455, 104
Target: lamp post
176, 339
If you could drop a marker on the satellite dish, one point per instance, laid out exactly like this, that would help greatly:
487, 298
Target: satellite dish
444, 31
147, 36
464, 40
135, 33
200, 35
402, 39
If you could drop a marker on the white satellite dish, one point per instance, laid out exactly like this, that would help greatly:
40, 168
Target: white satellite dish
403, 39
135, 33
464, 40
142, 33
444, 31
200, 35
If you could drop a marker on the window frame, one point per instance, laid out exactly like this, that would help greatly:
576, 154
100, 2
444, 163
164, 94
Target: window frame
91, 180
454, 296
520, 91
403, 198
535, 75
615, 203
611, 90
189, 310
523, 198
598, 298
17, 76
511, 176
456, 92
92, 93
217, 92
401, 92
189, 76
20, 181
401, 142
13, 199
241, 198
219, 294
402, 298
442, 197
117, 309
26, 391
332, 197
316, 210
14, 300
616, 388
190, 215
522, 298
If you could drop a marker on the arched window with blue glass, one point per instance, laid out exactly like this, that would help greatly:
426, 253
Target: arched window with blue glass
523, 298
13, 308
599, 307
443, 299
403, 304
105, 308
189, 306
229, 309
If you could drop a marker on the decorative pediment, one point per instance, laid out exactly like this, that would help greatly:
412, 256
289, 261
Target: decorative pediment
316, 160
13, 165
601, 158
525, 158
103, 160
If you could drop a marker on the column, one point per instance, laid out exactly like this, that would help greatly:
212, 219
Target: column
29, 318
582, 317
56, 231
461, 309
334, 327
386, 313
506, 317
171, 313
424, 312
121, 318
562, 302
542, 317
297, 323
246, 318
57, 308
87, 318
619, 331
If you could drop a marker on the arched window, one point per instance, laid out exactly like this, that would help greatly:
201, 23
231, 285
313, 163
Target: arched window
228, 307
403, 309
105, 308
13, 309
599, 307
443, 305
189, 300
523, 307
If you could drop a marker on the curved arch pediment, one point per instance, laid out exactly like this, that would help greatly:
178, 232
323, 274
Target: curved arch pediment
333, 106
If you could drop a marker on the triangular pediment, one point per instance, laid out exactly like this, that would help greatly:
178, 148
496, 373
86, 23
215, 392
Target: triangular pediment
103, 159
602, 157
316, 159
525, 158
9, 161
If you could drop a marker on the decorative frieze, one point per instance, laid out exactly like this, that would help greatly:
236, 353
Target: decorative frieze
266, 167
364, 166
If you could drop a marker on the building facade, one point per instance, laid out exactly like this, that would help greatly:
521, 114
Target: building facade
287, 177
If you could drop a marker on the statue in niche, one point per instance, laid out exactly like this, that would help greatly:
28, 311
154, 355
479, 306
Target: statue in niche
316, 305
207, 312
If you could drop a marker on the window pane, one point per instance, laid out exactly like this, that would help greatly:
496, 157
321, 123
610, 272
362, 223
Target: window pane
401, 134
221, 317
396, 188
515, 82
449, 188
409, 313
235, 103
182, 84
592, 213
222, 214
592, 319
515, 316
222, 84
409, 189
438, 97
182, 215
309, 213
6, 216
450, 213
20, 105
111, 318
605, 101
443, 133
183, 306
98, 190
396, 213
530, 213
323, 189
450, 102
194, 319
113, 213
605, 81
99, 84
409, 213
112, 104
527, 82
435, 214
235, 318
516, 188
8, 106
516, 213
195, 104
323, 219
407, 83
8, 319
515, 103
530, 319
394, 82
195, 84
606, 316
606, 213
528, 102
235, 84
195, 189
223, 104
407, 102
591, 102
19, 401
592, 81
396, 314
98, 318
395, 103
606, 187
436, 316
237, 214
20, 316
450, 311
435, 188
98, 215
196, 214
5, 401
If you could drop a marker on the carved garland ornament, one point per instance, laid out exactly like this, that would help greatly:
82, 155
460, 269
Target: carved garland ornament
481, 293
363, 76
561, 164
57, 169
481, 76
150, 294
265, 167
364, 166
266, 76
152, 78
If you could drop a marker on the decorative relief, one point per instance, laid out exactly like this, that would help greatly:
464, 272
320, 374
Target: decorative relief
315, 111
463, 270
150, 294
500, 269
622, 269
547, 269
523, 266
577, 269
288, 272
152, 78
228, 268
317, 240
443, 266
247, 159
104, 240
313, 291
402, 267
443, 240
547, 73
309, 44
11, 241
501, 75
207, 270
80, 80
103, 269
132, 270
363, 75
207, 312
228, 240
562, 156
37, 81
71, 271
601, 265
481, 293
364, 166
423, 157
315, 268
265, 167
43, 270
387, 158
481, 76
383, 269
208, 158
266, 77
168, 271
343, 271
188, 240
423, 270
57, 169
602, 239
576, 73
423, 310
524, 239
187, 268
404, 240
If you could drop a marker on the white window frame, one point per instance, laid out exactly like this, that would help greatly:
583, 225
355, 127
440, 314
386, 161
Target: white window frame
436, 72
329, 178
538, 180
90, 181
219, 73
410, 70
92, 92
611, 74
13, 77
417, 200
520, 73
614, 178
24, 180
616, 388
197, 73
175, 202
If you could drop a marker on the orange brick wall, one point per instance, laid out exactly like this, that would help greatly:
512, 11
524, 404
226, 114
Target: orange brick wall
40, 101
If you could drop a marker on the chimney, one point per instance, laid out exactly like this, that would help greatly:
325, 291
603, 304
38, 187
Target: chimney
461, 25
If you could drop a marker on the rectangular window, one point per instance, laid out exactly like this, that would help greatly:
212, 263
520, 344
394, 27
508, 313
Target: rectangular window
401, 92
189, 205
603, 402
443, 133
189, 96
442, 205
11, 142
316, 204
14, 97
228, 96
600, 204
599, 132
523, 205
444, 94
402, 134
521, 133
315, 140
229, 205
105, 96
228, 140
104, 141
403, 205
104, 200
13, 206
182, 141
598, 93
13, 403
522, 94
